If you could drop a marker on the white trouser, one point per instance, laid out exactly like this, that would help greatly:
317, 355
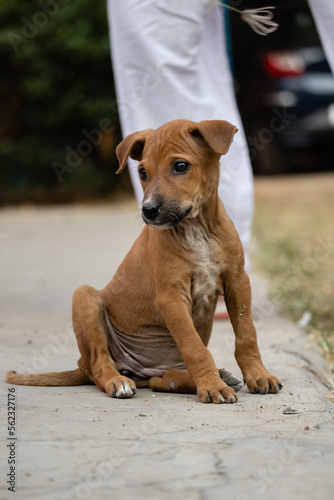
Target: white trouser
170, 61
323, 13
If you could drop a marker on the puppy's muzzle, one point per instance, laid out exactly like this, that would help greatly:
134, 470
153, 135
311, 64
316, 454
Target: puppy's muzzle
162, 215
151, 211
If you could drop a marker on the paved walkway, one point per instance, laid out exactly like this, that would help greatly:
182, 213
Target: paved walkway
76, 443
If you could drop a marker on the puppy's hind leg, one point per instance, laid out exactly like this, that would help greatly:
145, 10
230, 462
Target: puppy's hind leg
90, 328
179, 381
174, 381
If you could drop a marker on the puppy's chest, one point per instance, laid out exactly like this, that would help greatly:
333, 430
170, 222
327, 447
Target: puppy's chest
206, 265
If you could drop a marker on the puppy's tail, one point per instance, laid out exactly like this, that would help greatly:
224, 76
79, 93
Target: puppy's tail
57, 379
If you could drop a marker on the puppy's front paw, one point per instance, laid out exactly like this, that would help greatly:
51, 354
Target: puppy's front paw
120, 387
260, 381
216, 392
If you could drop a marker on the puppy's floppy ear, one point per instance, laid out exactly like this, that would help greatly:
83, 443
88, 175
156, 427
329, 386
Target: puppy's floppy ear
132, 146
218, 134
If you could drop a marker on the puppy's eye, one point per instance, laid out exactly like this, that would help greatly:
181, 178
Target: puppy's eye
142, 174
181, 167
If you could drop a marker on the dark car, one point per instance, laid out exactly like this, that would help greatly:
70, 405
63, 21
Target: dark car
286, 93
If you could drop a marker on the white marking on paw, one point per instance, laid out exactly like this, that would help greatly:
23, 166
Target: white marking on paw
128, 390
120, 392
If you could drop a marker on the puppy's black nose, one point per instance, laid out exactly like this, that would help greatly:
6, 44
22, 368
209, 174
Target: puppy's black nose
151, 210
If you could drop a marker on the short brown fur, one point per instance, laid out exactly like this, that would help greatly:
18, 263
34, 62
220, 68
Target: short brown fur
186, 256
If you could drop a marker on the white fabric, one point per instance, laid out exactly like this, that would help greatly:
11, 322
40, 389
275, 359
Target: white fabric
323, 14
170, 61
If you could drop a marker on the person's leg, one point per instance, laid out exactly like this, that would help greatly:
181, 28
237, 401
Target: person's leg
323, 13
170, 61
236, 181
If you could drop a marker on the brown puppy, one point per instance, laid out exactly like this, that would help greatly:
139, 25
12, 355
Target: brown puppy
153, 321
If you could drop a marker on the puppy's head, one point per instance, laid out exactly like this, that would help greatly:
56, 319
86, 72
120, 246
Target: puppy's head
178, 167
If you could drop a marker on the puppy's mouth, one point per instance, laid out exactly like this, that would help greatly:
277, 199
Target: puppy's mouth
164, 217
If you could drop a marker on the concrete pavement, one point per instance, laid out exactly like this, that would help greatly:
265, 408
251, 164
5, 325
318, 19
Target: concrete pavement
76, 443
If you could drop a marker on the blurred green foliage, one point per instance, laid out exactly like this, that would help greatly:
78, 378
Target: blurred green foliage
56, 81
